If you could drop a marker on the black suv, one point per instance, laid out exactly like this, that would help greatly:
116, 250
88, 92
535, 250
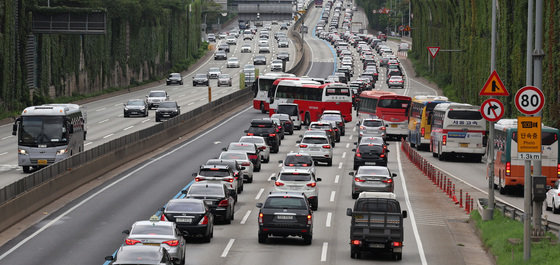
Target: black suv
285, 214
268, 130
370, 155
167, 110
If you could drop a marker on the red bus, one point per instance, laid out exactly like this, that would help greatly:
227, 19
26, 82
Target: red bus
313, 98
390, 107
264, 92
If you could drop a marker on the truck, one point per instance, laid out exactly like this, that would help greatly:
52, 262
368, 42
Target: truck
377, 224
356, 27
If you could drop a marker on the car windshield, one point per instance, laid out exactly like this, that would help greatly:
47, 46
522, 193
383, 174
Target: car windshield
331, 117
135, 103
200, 76
131, 256
372, 140
282, 117
168, 105
49, 130
314, 140
185, 206
252, 140
295, 177
371, 148
152, 229
285, 203
206, 190
233, 60
213, 70
214, 172
175, 75
373, 123
377, 171
291, 110
224, 76
320, 127
232, 155
299, 160
157, 94
242, 147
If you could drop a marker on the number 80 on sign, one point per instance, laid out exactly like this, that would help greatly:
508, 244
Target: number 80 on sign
529, 100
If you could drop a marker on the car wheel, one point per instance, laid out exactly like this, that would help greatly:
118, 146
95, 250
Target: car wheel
356, 166
167, 83
193, 84
250, 180
548, 208
146, 114
157, 119
315, 204
397, 256
307, 239
125, 115
262, 108
181, 83
26, 169
343, 133
262, 237
267, 159
329, 163
240, 190
354, 252
554, 209
355, 195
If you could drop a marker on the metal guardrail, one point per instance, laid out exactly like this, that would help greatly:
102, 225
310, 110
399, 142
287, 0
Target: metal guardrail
517, 214
295, 33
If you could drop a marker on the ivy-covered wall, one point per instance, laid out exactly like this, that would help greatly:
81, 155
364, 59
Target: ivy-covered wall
145, 39
466, 25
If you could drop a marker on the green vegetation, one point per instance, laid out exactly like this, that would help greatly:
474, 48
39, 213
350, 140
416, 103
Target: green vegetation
144, 40
495, 234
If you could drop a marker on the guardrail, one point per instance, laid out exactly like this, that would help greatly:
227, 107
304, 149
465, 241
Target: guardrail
299, 68
40, 188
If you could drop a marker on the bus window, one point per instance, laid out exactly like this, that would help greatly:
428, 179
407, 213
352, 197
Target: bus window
464, 115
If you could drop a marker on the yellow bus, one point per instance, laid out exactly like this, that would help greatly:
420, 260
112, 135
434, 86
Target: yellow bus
419, 121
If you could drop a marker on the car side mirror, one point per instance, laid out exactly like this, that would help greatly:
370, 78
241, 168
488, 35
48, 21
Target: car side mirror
355, 143
298, 142
246, 131
126, 232
387, 144
394, 175
109, 258
348, 211
351, 173
272, 178
224, 149
319, 179
280, 161
259, 205
548, 187
404, 214
388, 151
194, 174
162, 209
178, 107
184, 192
354, 149
146, 95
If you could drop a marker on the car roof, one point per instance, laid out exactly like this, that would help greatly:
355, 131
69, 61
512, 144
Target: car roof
154, 223
298, 154
377, 195
210, 166
286, 193
295, 170
138, 254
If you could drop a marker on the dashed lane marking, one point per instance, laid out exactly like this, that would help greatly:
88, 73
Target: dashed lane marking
244, 220
329, 217
228, 247
259, 194
336, 178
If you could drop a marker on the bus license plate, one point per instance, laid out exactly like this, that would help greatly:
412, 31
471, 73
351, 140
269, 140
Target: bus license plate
285, 217
42, 162
464, 145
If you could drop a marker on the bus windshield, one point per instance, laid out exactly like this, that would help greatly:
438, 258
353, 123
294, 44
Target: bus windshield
42, 130
291, 110
393, 103
265, 84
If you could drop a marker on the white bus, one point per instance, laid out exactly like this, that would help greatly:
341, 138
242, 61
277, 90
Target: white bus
264, 93
49, 133
458, 129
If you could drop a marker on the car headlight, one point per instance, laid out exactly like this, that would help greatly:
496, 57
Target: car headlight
142, 107
125, 108
61, 151
22, 152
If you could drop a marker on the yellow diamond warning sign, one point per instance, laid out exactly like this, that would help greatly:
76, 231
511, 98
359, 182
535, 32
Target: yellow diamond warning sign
528, 134
494, 86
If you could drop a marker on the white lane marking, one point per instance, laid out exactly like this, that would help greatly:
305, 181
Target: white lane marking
105, 120
86, 144
324, 252
121, 115
127, 128
354, 129
101, 109
333, 194
280, 165
244, 220
329, 217
201, 99
146, 120
118, 104
190, 104
350, 138
217, 142
336, 178
344, 155
409, 206
5, 153
108, 135
271, 175
4, 138
347, 145
228, 247
259, 194
340, 165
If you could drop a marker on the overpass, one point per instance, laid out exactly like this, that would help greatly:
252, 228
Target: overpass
264, 10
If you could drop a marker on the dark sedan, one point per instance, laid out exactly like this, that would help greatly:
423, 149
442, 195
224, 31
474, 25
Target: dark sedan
218, 198
135, 107
167, 110
259, 60
192, 217
370, 155
174, 78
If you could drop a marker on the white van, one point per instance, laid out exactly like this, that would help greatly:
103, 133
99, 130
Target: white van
292, 110
403, 47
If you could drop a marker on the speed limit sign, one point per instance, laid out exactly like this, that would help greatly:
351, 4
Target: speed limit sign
529, 100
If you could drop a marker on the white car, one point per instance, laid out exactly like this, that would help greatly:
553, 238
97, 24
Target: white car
244, 160
214, 72
298, 180
276, 65
231, 40
261, 144
318, 146
396, 81
246, 48
233, 62
552, 201
155, 97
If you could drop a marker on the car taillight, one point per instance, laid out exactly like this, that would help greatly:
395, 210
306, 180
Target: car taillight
250, 134
312, 184
279, 127
223, 203
277, 183
329, 130
246, 164
382, 155
397, 244
162, 217
230, 180
131, 241
262, 148
327, 146
197, 179
388, 181
444, 140
260, 218
358, 179
356, 242
272, 135
204, 220
302, 146
382, 128
171, 243
423, 131
304, 165
309, 220
508, 168
252, 156
362, 127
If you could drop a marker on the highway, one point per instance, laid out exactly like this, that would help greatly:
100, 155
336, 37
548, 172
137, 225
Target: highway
105, 117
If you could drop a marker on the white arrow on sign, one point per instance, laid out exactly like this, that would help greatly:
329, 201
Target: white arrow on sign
492, 109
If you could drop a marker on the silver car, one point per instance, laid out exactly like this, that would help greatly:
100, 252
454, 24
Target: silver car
298, 180
158, 233
372, 178
233, 62
276, 65
246, 48
155, 97
261, 144
224, 80
244, 160
371, 127
148, 254
318, 146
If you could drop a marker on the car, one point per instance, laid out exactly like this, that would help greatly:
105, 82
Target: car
285, 214
261, 144
233, 62
370, 154
396, 81
135, 107
222, 35
286, 122
268, 130
220, 55
279, 125
131, 254
200, 79
283, 26
167, 110
298, 160
298, 180
259, 60
231, 40
235, 167
283, 43
174, 78
244, 160
552, 200
192, 217
318, 147
160, 233
211, 37
283, 55
155, 97
335, 128
393, 72
224, 79
335, 115
252, 150
218, 198
224, 47
264, 48
293, 111
247, 35
246, 48
276, 65
372, 179
211, 173
214, 72
371, 127
327, 127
